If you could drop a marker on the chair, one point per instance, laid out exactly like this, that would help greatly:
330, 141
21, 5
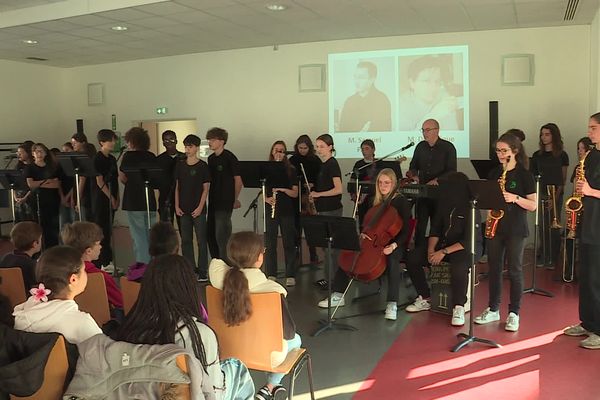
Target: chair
130, 290
94, 299
12, 285
55, 373
251, 342
185, 393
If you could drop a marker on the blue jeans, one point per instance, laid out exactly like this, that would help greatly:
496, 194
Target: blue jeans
295, 343
139, 231
238, 382
218, 232
187, 226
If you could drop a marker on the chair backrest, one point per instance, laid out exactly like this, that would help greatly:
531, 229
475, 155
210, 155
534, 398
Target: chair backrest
12, 286
185, 392
253, 340
55, 373
130, 291
94, 299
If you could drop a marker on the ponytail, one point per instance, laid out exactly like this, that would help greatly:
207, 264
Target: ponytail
237, 306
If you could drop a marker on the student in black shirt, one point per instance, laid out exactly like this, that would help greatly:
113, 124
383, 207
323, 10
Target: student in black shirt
304, 154
282, 218
589, 246
25, 206
367, 147
191, 191
512, 229
135, 160
386, 182
105, 196
327, 193
225, 188
42, 179
550, 160
433, 158
26, 237
80, 144
167, 161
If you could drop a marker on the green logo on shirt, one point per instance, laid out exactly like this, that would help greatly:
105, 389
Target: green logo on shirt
193, 172
512, 185
220, 168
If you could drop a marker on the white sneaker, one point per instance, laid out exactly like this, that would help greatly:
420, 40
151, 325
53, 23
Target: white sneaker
290, 282
109, 269
458, 316
336, 300
391, 311
487, 316
420, 304
512, 322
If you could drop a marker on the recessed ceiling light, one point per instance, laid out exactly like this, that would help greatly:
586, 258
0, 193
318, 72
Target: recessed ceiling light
29, 41
276, 7
119, 28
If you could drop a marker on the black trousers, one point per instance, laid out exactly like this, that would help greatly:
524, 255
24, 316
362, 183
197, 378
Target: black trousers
589, 287
340, 281
103, 216
218, 231
511, 248
425, 209
285, 223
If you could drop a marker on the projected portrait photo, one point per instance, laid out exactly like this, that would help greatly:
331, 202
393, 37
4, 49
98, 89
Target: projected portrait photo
364, 95
431, 86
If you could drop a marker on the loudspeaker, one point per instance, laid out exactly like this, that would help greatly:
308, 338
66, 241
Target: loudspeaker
493, 107
79, 123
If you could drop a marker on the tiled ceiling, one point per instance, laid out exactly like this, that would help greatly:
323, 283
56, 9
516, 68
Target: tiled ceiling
79, 31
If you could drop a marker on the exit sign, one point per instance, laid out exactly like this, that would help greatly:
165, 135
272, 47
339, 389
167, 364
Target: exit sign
162, 110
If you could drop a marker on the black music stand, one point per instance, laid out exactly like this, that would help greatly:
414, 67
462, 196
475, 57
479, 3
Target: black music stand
11, 180
75, 164
533, 289
331, 233
486, 196
150, 175
484, 167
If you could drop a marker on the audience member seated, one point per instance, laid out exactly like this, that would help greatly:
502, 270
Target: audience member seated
26, 237
6, 310
163, 240
245, 251
5, 245
61, 275
167, 311
86, 237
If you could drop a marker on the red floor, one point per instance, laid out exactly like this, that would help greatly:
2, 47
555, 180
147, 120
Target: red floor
534, 363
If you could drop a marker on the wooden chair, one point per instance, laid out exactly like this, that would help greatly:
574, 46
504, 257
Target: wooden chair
55, 373
12, 286
185, 393
94, 299
130, 291
251, 342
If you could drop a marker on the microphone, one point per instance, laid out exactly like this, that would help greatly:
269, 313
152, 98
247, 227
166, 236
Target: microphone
408, 146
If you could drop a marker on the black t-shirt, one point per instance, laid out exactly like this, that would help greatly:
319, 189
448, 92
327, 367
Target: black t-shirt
520, 182
590, 225
285, 205
372, 111
167, 164
49, 198
223, 168
311, 164
134, 198
191, 180
329, 169
107, 168
545, 164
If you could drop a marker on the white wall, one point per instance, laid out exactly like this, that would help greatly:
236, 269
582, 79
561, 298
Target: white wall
595, 63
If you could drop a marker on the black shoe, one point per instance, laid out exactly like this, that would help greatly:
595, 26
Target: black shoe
279, 393
263, 394
202, 278
321, 284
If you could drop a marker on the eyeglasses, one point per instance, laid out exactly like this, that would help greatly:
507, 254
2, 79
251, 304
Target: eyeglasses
169, 140
503, 151
427, 130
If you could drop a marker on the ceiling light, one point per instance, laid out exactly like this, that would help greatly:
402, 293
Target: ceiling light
29, 41
276, 7
119, 28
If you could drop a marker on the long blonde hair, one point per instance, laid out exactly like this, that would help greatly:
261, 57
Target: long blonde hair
379, 198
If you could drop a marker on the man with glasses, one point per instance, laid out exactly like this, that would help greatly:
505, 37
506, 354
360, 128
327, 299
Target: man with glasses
167, 161
433, 158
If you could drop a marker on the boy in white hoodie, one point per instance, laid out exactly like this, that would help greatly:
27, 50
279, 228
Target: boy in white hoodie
51, 308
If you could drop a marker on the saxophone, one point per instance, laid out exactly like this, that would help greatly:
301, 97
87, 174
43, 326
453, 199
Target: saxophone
273, 206
494, 216
574, 204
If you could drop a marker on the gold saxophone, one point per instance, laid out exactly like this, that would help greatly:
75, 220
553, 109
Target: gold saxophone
552, 206
574, 204
273, 206
494, 216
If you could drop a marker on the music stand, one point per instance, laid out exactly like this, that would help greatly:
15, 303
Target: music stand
11, 180
75, 164
331, 233
484, 167
150, 174
533, 289
486, 196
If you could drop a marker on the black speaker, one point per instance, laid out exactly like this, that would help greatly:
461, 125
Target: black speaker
79, 123
493, 128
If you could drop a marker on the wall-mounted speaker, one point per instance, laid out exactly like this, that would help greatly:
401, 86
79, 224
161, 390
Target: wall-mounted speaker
493, 112
79, 124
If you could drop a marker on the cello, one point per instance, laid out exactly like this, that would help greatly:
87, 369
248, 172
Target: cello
381, 224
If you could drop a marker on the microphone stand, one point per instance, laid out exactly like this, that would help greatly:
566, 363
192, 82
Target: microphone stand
375, 160
254, 207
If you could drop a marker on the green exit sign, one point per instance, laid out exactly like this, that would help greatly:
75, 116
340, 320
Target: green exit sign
162, 110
